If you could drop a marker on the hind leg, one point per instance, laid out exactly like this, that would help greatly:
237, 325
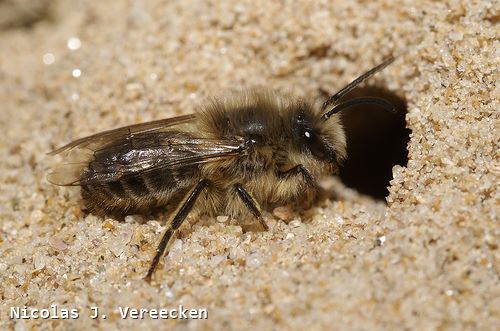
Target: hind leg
185, 207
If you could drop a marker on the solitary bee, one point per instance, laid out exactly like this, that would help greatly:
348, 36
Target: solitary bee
244, 151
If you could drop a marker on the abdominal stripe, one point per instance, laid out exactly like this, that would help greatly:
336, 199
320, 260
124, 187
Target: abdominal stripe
137, 186
160, 180
116, 188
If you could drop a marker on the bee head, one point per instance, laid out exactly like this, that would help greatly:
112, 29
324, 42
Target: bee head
324, 140
322, 135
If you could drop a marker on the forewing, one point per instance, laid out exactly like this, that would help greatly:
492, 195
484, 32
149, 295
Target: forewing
110, 137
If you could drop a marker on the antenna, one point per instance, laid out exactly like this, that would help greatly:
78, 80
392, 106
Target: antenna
349, 87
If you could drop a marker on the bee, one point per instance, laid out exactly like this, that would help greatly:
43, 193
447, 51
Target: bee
244, 151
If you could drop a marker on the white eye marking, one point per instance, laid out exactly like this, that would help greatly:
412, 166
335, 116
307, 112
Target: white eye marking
307, 134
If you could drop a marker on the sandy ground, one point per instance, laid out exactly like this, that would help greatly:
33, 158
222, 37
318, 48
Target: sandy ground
428, 260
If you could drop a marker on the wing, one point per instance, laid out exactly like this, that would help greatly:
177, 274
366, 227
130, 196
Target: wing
110, 136
138, 150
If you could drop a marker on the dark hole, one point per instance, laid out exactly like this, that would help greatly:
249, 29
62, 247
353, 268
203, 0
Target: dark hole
376, 141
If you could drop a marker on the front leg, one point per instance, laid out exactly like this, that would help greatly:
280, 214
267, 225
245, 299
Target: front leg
251, 204
298, 170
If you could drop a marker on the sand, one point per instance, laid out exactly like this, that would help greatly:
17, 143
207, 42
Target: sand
428, 259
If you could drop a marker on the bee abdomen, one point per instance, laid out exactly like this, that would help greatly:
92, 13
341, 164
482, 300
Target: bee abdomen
134, 194
119, 197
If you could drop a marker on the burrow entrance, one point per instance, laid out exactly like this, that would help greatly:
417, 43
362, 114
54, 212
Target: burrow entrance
376, 141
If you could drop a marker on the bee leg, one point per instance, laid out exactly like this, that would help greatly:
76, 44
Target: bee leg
180, 216
299, 170
251, 204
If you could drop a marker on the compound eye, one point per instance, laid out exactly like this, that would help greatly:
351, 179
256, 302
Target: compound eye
315, 144
311, 137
